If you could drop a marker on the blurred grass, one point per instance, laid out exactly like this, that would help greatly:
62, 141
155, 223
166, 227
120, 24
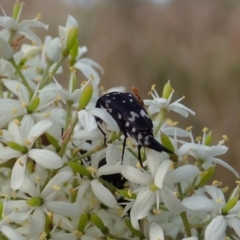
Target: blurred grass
194, 43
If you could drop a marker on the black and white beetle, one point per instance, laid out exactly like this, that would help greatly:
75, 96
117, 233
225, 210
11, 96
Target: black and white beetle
132, 119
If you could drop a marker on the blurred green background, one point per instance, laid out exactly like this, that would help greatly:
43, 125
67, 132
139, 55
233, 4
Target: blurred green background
193, 43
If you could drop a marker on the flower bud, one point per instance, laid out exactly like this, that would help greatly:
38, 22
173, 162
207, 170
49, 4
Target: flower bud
85, 96
76, 167
73, 53
17, 147
166, 142
33, 105
229, 205
5, 50
98, 223
208, 139
17, 8
205, 176
53, 141
82, 222
167, 89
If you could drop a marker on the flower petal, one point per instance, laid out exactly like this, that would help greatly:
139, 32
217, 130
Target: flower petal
136, 176
103, 194
156, 232
18, 172
46, 158
58, 180
216, 228
10, 233
171, 201
143, 204
63, 208
182, 173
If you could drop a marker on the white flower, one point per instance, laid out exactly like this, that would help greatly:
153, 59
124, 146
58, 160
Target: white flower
86, 66
208, 154
158, 185
23, 134
5, 228
22, 28
64, 31
13, 108
157, 104
216, 206
33, 204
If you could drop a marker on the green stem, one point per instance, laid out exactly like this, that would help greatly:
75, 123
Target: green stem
110, 187
12, 61
89, 153
1, 88
162, 117
67, 135
46, 70
186, 224
47, 77
68, 113
184, 214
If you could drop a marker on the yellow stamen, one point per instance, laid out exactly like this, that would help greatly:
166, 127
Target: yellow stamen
14, 111
225, 137
56, 187
20, 162
198, 139
37, 178
205, 129
155, 211
189, 128
72, 69
174, 124
129, 192
24, 104
39, 16
46, 115
225, 189
77, 233
153, 87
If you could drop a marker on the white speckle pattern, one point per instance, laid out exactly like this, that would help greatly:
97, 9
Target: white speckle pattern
133, 129
134, 115
123, 101
110, 110
127, 124
146, 142
139, 136
143, 114
130, 100
119, 116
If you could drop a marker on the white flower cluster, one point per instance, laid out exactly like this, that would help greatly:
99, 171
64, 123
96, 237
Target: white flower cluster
59, 180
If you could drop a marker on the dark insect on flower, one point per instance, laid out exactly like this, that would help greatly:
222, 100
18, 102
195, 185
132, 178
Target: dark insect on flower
132, 119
